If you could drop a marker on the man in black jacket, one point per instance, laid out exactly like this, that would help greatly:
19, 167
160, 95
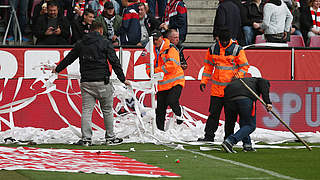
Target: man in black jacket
81, 26
240, 101
52, 28
229, 15
94, 51
251, 18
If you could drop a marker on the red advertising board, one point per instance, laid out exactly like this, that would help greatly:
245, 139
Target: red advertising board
307, 65
25, 62
297, 103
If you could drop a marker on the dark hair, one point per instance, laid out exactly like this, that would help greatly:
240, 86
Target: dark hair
224, 34
96, 25
52, 3
87, 11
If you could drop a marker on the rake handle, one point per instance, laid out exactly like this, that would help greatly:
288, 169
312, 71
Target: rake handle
276, 115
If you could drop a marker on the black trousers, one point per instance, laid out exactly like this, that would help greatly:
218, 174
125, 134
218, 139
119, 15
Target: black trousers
164, 98
212, 124
216, 105
231, 116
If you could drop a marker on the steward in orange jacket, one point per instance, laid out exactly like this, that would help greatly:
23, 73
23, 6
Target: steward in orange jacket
224, 60
167, 60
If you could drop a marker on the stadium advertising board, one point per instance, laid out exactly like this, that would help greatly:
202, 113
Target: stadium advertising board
297, 102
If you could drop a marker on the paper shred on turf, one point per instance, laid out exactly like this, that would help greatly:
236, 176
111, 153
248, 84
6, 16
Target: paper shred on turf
85, 161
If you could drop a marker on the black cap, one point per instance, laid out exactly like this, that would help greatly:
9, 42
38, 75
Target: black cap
156, 34
108, 5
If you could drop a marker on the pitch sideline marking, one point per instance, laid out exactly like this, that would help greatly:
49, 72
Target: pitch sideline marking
272, 173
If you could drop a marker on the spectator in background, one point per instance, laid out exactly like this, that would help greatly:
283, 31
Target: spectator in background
111, 23
173, 37
175, 17
148, 23
251, 17
277, 21
52, 29
98, 6
22, 13
295, 10
228, 15
130, 31
41, 9
161, 7
82, 26
78, 8
310, 20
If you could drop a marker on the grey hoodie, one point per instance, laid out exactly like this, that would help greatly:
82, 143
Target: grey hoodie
276, 17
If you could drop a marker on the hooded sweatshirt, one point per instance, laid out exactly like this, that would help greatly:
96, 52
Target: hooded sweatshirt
93, 52
276, 17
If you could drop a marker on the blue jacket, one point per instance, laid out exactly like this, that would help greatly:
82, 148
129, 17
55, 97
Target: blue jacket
178, 20
130, 31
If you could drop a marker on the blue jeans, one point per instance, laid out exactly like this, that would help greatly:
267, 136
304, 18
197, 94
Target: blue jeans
248, 34
247, 121
297, 32
161, 7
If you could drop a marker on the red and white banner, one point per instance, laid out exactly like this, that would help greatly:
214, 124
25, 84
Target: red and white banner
73, 160
270, 64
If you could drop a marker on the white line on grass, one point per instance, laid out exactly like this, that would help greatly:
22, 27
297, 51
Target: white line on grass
272, 173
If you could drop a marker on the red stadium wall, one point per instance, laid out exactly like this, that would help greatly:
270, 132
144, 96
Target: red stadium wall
297, 102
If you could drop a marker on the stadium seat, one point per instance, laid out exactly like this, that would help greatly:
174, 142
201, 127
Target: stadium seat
296, 41
259, 39
315, 41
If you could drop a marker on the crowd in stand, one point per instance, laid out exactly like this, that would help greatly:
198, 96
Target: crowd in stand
125, 22
276, 20
130, 22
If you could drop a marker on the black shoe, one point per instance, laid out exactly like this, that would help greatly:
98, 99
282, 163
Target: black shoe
179, 121
248, 149
83, 142
113, 141
206, 139
227, 146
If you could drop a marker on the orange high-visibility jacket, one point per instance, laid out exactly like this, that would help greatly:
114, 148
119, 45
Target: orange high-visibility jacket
224, 63
168, 62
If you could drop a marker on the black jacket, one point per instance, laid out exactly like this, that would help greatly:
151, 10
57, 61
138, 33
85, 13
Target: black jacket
259, 85
37, 10
41, 27
152, 23
94, 51
306, 21
182, 59
251, 13
79, 29
228, 15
